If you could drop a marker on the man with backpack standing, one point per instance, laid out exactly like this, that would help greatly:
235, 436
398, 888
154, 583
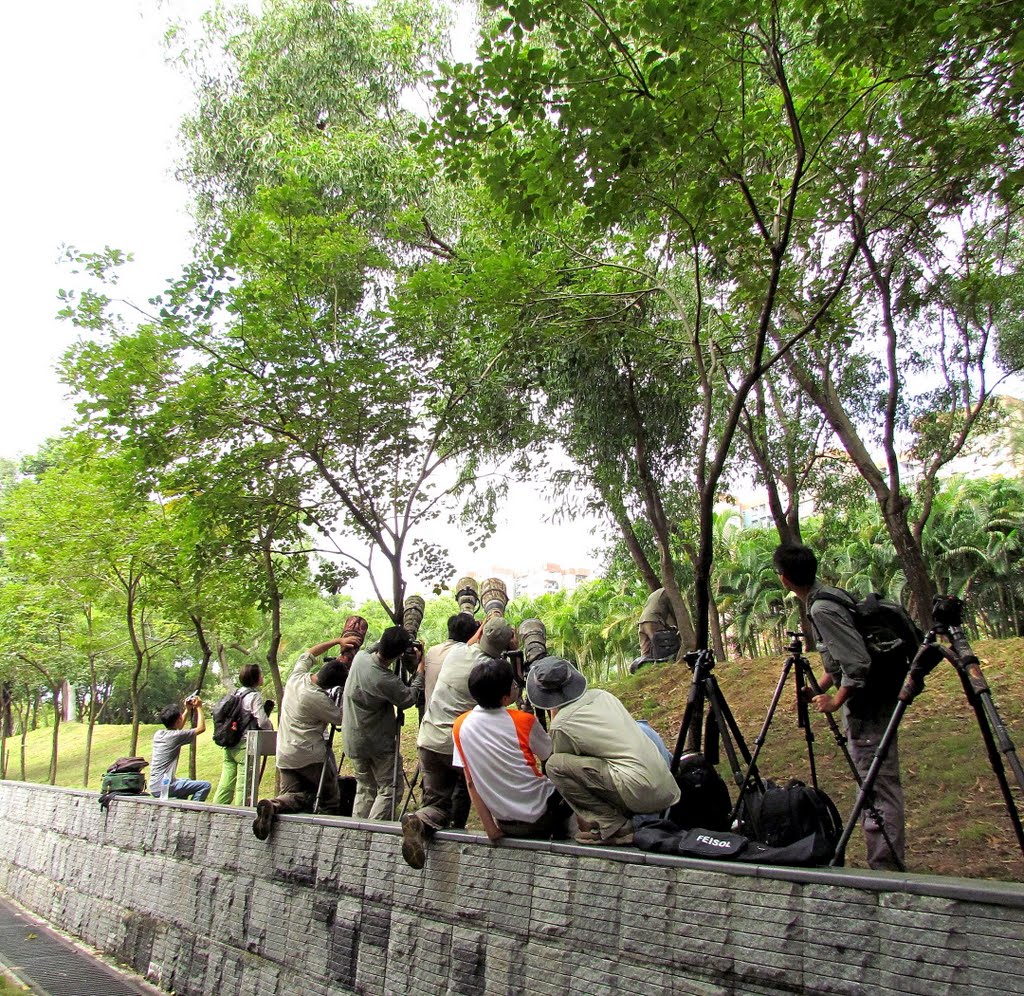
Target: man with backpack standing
236, 714
866, 698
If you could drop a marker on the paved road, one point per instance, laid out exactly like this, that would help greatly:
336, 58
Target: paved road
51, 965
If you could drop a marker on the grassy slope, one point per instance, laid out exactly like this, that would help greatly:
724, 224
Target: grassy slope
956, 821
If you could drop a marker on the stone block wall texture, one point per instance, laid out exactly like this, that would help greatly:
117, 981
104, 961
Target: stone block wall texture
186, 896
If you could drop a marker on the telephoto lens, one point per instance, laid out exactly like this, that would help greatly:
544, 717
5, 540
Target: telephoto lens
493, 597
412, 616
467, 594
533, 640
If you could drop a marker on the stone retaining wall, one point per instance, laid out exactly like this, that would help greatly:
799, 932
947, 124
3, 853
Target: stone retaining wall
187, 896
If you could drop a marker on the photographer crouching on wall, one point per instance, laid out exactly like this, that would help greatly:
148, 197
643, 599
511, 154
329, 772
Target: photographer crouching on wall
605, 767
306, 712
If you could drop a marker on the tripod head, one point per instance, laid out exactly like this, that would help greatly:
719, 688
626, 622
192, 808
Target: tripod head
704, 659
947, 610
948, 615
796, 644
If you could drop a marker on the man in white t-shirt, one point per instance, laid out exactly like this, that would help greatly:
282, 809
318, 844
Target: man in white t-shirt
501, 751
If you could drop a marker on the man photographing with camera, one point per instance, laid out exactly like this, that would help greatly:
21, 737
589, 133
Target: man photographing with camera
369, 727
167, 744
306, 711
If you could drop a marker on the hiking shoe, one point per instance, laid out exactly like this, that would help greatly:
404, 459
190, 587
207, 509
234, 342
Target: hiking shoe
414, 841
264, 819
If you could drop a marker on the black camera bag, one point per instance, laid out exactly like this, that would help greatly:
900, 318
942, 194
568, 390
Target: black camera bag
703, 795
665, 645
782, 815
231, 719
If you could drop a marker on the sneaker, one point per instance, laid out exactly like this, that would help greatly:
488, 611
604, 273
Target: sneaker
264, 819
589, 833
621, 838
414, 841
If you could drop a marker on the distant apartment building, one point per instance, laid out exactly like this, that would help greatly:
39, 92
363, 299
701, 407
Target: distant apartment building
540, 580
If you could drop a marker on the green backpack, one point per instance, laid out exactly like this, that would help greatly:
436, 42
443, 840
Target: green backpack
124, 777
123, 783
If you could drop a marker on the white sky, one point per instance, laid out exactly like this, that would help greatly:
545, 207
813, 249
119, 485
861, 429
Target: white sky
91, 119
91, 115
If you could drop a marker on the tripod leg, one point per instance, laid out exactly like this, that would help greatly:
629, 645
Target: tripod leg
324, 770
411, 782
397, 773
759, 740
731, 737
974, 682
693, 716
992, 748
805, 672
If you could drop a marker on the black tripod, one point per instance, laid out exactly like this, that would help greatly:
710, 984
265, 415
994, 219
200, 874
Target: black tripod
719, 725
800, 667
947, 611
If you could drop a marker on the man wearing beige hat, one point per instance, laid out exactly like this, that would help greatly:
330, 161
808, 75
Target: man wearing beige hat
601, 762
435, 746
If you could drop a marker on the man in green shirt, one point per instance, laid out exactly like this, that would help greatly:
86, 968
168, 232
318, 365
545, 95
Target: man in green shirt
369, 724
306, 712
601, 762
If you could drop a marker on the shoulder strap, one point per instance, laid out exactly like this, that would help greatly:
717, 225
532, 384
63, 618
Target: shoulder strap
843, 598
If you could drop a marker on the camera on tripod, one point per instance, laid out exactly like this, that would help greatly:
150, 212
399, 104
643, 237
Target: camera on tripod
948, 610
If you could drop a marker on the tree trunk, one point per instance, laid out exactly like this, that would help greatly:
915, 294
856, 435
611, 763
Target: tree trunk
24, 730
6, 709
893, 505
204, 645
716, 632
90, 729
636, 551
274, 598
54, 742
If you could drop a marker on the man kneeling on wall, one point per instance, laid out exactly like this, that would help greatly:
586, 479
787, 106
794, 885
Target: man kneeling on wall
306, 712
601, 762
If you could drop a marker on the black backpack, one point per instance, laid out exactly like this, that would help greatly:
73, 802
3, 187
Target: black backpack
231, 720
782, 815
665, 645
703, 795
891, 637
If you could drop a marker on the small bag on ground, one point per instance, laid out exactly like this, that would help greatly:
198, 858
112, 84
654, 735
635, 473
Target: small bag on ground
703, 795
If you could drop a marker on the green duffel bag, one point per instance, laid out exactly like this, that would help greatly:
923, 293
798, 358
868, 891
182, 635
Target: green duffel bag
123, 783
